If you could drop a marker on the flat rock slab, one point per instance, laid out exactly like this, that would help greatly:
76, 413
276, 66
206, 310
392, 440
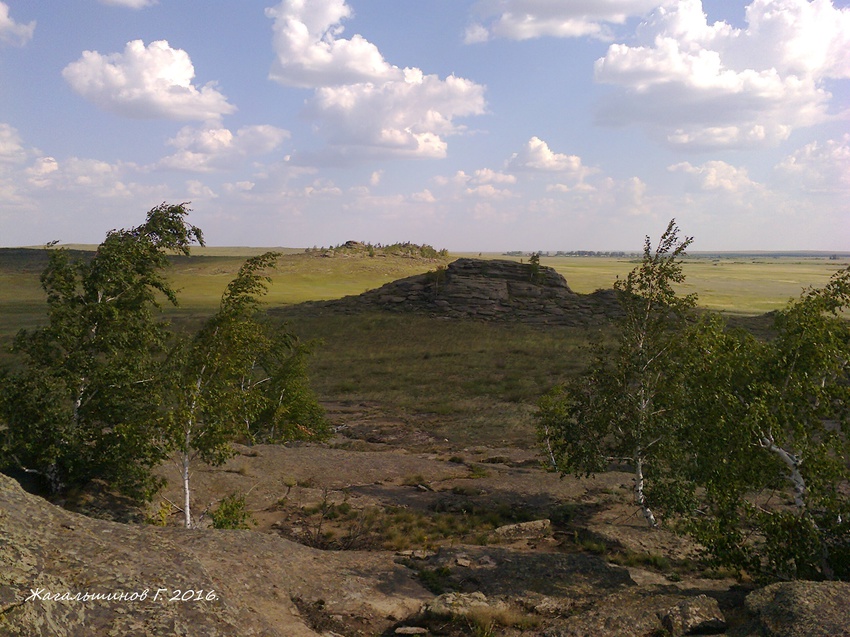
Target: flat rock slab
195, 583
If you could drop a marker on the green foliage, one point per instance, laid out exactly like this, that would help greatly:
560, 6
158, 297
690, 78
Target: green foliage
616, 410
534, 267
86, 401
107, 390
745, 442
767, 441
240, 378
231, 513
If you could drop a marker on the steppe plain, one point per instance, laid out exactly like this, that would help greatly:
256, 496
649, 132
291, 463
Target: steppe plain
434, 454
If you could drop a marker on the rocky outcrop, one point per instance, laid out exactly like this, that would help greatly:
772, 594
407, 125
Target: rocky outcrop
62, 574
492, 290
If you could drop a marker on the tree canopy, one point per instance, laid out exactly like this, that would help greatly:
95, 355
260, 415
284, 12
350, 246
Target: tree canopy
739, 441
99, 392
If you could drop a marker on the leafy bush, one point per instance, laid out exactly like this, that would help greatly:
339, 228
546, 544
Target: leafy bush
232, 513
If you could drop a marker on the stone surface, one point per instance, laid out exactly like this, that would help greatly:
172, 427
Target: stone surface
242, 583
459, 604
697, 616
625, 614
802, 609
533, 530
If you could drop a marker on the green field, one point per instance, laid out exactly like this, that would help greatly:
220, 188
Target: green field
746, 285
464, 381
743, 285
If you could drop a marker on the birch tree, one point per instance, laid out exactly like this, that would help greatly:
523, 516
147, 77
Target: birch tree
766, 448
616, 411
85, 399
239, 378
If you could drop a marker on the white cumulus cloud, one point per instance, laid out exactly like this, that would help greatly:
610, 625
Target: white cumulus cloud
12, 32
717, 175
820, 167
365, 106
209, 149
310, 52
409, 118
11, 145
702, 85
538, 157
153, 81
526, 19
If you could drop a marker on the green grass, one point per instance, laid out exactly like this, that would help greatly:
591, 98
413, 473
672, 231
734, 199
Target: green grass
464, 381
737, 285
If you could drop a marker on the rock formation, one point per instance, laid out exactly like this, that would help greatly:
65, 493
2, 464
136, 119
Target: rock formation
492, 290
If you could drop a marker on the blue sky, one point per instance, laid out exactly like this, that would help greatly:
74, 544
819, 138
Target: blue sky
480, 125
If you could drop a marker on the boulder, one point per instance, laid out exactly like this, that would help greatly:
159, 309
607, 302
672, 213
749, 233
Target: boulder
802, 609
697, 616
460, 604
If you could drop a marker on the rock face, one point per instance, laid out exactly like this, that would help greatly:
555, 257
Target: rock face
62, 574
492, 290
802, 609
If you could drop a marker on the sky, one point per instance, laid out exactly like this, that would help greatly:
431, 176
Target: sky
470, 125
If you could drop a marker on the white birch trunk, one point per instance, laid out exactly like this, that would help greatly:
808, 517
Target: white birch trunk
793, 463
187, 512
640, 498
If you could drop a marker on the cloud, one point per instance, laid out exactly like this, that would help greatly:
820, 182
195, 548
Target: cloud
423, 196
11, 145
700, 85
489, 176
209, 149
481, 184
527, 19
310, 52
718, 175
130, 4
92, 177
409, 118
822, 167
364, 106
536, 156
12, 32
145, 83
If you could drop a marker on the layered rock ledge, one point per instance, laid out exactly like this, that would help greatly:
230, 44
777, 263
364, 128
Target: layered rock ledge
492, 290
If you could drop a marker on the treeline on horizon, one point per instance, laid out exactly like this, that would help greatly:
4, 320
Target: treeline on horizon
822, 254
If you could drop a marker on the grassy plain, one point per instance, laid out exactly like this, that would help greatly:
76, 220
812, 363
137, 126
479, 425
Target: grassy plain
458, 380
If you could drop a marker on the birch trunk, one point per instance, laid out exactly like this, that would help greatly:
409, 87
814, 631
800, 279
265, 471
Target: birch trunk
640, 498
793, 462
187, 513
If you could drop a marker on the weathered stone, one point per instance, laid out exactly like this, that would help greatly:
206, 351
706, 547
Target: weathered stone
459, 604
491, 290
802, 609
698, 616
533, 530
43, 547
